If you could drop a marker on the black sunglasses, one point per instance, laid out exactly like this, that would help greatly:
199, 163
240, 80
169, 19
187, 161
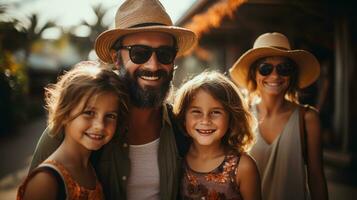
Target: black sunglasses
283, 69
140, 54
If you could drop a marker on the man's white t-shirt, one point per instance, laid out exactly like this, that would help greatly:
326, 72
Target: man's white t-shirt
144, 178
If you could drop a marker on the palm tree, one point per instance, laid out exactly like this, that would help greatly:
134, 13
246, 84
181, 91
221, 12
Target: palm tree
86, 44
32, 34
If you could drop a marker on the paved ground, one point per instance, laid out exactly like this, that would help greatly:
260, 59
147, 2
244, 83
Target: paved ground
16, 152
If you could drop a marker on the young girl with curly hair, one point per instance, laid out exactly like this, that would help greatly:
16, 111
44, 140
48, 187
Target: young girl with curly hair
86, 104
210, 109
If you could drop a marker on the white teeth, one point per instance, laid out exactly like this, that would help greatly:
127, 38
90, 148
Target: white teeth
272, 85
150, 78
95, 136
205, 131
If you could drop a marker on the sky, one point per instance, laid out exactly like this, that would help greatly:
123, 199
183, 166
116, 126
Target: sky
67, 13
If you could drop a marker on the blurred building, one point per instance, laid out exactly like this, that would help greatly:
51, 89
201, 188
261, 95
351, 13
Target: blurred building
328, 29
47, 60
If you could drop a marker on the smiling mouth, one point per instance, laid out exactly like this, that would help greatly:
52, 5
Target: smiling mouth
150, 78
275, 84
205, 131
95, 136
151, 75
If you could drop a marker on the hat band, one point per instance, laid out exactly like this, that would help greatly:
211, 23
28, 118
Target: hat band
147, 24
281, 48
117, 42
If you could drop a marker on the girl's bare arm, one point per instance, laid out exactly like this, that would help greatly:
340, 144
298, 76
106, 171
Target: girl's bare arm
248, 178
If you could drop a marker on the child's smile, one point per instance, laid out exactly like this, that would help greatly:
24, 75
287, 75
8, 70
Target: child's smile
206, 131
96, 124
94, 136
206, 119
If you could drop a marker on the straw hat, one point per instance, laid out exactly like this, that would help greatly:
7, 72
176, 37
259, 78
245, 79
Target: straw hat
135, 16
276, 44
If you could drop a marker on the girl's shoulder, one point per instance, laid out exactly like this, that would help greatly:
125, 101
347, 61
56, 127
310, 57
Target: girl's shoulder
247, 168
42, 183
242, 161
57, 166
246, 162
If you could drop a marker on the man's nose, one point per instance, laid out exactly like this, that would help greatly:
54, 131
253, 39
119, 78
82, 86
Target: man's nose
153, 63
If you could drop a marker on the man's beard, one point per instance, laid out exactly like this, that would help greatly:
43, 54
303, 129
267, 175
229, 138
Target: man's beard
147, 97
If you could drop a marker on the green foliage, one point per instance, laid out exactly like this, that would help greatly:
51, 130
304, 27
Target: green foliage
13, 77
13, 91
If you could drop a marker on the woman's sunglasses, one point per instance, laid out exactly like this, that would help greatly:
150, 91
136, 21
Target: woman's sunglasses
140, 54
282, 69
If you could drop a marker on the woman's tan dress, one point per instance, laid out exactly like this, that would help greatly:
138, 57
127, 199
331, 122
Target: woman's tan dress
281, 164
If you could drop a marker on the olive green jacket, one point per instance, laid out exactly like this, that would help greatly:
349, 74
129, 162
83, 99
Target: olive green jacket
112, 162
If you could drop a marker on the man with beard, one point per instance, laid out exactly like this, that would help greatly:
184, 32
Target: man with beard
143, 159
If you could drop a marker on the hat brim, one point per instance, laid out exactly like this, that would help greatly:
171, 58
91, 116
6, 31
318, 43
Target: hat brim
309, 67
185, 38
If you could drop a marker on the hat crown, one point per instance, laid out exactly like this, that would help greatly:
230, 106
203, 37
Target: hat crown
275, 40
138, 13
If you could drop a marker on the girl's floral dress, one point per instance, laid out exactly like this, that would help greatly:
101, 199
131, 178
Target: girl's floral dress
219, 184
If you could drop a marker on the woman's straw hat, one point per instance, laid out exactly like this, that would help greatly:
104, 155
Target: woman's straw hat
276, 44
135, 16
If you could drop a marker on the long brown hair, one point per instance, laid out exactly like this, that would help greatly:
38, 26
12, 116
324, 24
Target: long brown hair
85, 80
239, 136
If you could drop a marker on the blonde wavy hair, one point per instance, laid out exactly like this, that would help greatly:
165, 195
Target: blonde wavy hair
87, 79
239, 136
